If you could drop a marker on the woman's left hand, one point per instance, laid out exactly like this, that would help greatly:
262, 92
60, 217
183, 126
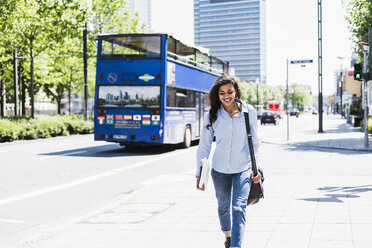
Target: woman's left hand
256, 179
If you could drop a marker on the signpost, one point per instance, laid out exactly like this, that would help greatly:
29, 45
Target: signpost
301, 62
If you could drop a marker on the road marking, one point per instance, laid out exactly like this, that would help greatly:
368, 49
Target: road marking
3, 151
86, 180
62, 154
11, 221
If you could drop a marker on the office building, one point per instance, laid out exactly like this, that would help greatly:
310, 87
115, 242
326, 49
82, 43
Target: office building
234, 31
143, 8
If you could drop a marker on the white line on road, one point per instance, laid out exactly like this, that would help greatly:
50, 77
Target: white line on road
3, 151
11, 221
87, 179
62, 154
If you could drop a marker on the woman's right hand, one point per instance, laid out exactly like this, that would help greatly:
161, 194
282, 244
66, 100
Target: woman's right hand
197, 184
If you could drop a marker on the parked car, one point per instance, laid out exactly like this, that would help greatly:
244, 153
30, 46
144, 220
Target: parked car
270, 117
294, 112
315, 112
259, 115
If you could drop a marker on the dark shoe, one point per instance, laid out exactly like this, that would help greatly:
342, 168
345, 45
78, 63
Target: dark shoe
227, 242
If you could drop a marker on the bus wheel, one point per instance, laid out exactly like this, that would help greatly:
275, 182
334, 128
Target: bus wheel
187, 138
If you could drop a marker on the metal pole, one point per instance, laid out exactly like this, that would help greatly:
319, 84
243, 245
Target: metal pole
2, 99
15, 83
320, 69
31, 89
85, 73
365, 88
258, 101
287, 102
365, 94
341, 91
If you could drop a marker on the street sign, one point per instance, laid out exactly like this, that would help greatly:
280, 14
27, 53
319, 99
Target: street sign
365, 46
301, 61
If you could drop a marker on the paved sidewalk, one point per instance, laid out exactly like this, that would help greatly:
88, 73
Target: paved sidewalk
336, 213
337, 134
306, 211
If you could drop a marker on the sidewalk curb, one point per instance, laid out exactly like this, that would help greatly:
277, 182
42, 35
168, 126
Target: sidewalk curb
322, 147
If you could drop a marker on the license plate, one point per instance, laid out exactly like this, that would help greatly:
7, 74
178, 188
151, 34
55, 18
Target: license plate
120, 136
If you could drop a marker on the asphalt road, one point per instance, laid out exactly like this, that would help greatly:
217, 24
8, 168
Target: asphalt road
51, 182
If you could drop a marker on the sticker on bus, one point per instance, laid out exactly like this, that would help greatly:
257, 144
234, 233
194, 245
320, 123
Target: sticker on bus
146, 120
118, 117
101, 120
155, 118
109, 119
146, 77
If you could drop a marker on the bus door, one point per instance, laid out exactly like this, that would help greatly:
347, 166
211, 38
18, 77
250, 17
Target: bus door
199, 113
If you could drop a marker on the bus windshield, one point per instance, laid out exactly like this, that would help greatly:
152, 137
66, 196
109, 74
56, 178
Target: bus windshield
129, 96
133, 47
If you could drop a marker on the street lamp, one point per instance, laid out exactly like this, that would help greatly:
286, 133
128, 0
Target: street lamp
320, 68
258, 100
339, 87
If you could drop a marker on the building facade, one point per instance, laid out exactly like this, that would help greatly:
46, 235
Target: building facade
234, 31
143, 8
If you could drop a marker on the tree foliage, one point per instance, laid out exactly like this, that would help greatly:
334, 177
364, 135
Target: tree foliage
48, 36
359, 17
260, 94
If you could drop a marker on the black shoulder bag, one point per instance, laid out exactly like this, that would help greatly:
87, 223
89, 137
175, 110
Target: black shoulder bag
257, 190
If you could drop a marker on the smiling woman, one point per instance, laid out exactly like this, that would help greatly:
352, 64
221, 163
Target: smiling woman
231, 163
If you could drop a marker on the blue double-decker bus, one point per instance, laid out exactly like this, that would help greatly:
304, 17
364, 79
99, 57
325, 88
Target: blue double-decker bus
151, 89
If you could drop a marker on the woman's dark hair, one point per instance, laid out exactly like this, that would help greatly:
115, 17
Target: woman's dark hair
214, 97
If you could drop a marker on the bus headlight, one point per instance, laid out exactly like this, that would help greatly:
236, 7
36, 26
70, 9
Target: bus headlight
161, 132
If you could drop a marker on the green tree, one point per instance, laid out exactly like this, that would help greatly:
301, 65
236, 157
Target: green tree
65, 75
38, 25
298, 94
251, 92
359, 17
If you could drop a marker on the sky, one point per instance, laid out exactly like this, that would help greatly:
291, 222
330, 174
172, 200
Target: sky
291, 33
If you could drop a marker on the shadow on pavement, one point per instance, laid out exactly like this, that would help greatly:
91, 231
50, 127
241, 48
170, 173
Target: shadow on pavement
336, 194
113, 150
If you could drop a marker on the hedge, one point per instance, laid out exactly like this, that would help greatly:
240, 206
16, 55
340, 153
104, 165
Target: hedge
369, 125
25, 128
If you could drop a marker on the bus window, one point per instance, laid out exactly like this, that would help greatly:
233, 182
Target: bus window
129, 96
134, 47
171, 97
180, 98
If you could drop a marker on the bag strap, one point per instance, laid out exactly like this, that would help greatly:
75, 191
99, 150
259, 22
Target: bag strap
250, 143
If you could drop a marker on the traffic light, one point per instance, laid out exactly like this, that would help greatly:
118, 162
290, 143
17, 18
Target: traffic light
358, 73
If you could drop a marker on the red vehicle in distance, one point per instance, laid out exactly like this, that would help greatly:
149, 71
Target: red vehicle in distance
276, 106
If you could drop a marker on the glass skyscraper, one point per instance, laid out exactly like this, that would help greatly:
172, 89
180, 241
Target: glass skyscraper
234, 31
143, 8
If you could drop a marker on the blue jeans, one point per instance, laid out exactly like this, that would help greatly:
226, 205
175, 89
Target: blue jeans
239, 184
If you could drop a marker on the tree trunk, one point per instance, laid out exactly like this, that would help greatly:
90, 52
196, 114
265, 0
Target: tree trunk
31, 91
59, 105
23, 104
69, 100
2, 99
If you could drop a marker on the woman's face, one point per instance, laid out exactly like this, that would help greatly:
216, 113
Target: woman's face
227, 94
